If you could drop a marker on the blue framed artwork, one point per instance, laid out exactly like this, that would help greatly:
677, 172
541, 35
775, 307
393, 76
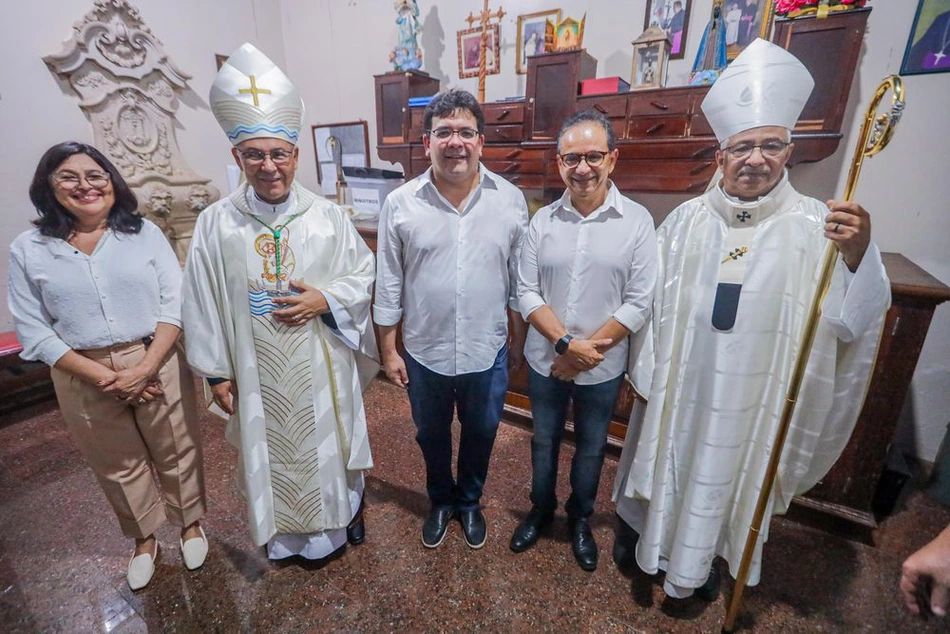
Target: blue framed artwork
928, 47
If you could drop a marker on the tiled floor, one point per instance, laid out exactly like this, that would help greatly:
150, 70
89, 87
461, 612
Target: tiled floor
62, 557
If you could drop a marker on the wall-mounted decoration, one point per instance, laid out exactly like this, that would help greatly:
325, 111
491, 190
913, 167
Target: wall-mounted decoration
928, 47
673, 17
531, 36
469, 41
745, 20
129, 89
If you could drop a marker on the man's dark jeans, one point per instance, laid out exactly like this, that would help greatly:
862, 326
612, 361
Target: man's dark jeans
479, 398
593, 407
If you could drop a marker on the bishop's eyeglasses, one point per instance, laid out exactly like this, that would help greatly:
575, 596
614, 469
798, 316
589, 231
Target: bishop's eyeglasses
770, 149
593, 159
256, 157
70, 180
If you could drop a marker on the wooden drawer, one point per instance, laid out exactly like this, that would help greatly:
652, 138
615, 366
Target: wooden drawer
657, 103
527, 181
651, 127
503, 113
684, 148
685, 176
513, 153
416, 127
418, 153
612, 107
506, 168
698, 126
494, 133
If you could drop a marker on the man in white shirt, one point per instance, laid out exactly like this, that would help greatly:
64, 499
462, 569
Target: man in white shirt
738, 267
276, 305
586, 280
447, 254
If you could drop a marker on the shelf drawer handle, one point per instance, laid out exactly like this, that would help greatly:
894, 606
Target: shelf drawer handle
513, 154
504, 113
511, 168
599, 108
656, 127
697, 186
698, 169
704, 152
661, 106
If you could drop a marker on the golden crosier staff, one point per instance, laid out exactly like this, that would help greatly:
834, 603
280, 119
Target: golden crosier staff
875, 135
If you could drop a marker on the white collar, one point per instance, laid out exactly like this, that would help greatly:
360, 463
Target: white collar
741, 214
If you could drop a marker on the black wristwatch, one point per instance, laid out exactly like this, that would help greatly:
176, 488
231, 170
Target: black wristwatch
560, 346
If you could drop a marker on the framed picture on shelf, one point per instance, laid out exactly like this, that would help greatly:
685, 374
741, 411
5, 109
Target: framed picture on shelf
745, 21
530, 39
928, 46
469, 48
339, 145
673, 17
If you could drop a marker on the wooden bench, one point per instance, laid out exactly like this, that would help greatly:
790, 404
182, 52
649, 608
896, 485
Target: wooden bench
22, 383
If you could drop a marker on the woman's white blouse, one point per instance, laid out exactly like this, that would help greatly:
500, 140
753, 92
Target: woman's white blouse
62, 299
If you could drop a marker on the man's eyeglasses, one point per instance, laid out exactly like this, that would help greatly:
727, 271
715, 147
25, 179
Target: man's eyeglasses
593, 159
256, 157
444, 134
771, 149
70, 181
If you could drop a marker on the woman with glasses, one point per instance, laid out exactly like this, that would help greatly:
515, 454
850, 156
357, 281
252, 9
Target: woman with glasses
94, 290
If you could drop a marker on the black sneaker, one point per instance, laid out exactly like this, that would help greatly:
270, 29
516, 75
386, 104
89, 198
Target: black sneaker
436, 525
473, 527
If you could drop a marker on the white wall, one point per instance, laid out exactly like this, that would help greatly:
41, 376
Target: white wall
331, 48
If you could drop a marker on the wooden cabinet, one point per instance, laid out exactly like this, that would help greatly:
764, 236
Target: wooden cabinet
552, 86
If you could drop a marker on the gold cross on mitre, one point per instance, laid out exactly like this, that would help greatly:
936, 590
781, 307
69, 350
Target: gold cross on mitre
483, 18
254, 91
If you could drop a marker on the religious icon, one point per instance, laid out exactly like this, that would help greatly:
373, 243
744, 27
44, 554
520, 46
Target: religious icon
469, 41
928, 47
531, 37
279, 263
673, 17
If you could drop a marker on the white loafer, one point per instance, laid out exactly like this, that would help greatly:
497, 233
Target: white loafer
194, 551
141, 569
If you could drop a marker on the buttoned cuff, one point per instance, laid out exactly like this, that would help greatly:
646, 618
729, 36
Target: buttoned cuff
386, 316
629, 317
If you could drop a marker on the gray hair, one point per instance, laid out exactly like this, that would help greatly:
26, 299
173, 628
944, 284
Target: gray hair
589, 116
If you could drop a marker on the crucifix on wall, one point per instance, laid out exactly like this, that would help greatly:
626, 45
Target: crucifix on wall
484, 19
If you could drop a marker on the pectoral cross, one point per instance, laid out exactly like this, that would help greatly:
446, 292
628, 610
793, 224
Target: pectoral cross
254, 91
742, 217
483, 18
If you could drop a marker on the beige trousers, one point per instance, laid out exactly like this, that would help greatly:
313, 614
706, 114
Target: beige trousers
124, 442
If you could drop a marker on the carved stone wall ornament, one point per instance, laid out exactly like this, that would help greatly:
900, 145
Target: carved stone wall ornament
129, 89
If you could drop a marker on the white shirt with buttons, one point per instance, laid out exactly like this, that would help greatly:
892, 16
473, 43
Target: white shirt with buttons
449, 274
62, 299
588, 270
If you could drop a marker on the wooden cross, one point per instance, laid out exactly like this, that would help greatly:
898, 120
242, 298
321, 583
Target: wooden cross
484, 17
254, 91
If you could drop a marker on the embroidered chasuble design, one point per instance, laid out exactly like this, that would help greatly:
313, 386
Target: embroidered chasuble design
265, 246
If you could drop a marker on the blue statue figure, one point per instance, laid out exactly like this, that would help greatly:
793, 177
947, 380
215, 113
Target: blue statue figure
711, 56
407, 55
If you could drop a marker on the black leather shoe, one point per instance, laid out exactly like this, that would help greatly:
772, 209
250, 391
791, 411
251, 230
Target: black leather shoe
473, 527
356, 532
625, 546
583, 544
530, 529
436, 525
709, 591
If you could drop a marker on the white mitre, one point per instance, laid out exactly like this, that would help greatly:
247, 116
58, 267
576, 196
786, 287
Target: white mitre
252, 98
764, 85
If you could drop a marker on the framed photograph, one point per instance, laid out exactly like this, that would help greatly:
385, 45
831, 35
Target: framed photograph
745, 21
928, 46
647, 70
673, 17
339, 145
566, 35
469, 47
531, 36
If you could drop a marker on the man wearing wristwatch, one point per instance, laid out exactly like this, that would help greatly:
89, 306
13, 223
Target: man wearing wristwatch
586, 279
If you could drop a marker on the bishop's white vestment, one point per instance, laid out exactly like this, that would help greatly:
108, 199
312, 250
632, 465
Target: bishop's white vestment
696, 453
299, 423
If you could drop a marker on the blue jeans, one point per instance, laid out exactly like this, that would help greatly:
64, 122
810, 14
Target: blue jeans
593, 408
479, 398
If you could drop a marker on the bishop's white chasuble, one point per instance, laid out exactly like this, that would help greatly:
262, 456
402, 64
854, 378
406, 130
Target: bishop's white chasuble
299, 425
734, 288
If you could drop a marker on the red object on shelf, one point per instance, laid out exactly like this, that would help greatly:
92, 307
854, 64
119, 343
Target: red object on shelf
604, 85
